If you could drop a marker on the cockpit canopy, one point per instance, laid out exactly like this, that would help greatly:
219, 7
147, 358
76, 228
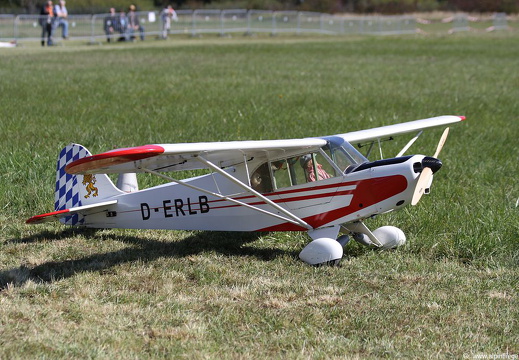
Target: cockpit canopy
333, 159
342, 153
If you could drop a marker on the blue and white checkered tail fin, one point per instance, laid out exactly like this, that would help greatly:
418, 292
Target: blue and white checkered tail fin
78, 190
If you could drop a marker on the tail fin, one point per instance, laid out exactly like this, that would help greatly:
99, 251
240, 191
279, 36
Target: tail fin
78, 190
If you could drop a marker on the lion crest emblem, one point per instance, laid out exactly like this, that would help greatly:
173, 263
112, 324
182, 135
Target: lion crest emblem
89, 180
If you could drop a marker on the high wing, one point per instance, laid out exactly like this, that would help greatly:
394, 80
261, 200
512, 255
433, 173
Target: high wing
175, 157
379, 133
185, 156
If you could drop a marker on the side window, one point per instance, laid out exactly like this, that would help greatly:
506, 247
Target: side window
281, 172
316, 167
261, 180
288, 172
327, 169
292, 171
297, 171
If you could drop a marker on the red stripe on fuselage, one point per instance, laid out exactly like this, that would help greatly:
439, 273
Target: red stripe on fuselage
287, 200
271, 195
368, 192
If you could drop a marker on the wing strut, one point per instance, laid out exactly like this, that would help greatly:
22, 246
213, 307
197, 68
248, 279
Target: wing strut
368, 153
180, 182
295, 219
408, 145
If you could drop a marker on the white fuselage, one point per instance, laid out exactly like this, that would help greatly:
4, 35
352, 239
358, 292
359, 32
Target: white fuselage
337, 200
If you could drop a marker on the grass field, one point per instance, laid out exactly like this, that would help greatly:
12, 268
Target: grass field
451, 292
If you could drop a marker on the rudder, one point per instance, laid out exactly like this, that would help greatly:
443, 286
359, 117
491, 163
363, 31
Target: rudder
78, 190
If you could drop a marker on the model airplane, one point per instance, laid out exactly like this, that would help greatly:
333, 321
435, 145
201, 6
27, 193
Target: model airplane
320, 185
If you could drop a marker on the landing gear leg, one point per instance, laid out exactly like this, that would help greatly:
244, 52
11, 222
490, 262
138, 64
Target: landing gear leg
384, 238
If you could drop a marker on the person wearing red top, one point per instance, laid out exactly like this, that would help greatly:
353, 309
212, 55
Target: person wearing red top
47, 23
308, 165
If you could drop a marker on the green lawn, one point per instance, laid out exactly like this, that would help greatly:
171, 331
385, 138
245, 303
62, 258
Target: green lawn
451, 292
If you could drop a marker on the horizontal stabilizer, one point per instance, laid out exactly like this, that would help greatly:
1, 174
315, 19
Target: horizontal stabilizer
84, 210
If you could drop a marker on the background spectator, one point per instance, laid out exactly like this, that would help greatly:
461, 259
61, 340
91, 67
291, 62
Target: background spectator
47, 23
167, 14
134, 24
110, 24
61, 14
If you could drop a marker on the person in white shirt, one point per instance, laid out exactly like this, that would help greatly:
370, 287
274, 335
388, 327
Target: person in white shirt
168, 14
61, 13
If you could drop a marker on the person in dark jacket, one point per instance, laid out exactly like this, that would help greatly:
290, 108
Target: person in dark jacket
47, 23
134, 24
110, 25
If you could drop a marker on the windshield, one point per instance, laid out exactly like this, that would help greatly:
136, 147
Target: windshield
343, 153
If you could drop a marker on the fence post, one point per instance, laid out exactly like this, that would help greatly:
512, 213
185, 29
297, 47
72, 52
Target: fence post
222, 26
15, 27
249, 32
193, 24
298, 26
92, 36
273, 32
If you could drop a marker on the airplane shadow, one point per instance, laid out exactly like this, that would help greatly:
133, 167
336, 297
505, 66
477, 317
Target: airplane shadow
142, 249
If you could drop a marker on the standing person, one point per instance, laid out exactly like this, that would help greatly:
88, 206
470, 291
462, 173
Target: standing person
168, 14
110, 24
47, 23
61, 13
134, 24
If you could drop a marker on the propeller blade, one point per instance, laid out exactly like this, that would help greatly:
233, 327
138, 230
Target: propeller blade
425, 177
421, 185
441, 142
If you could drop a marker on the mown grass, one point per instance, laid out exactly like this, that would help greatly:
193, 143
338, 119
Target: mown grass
450, 292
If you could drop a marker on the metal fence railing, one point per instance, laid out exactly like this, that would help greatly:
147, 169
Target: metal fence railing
27, 27
7, 28
223, 22
500, 21
23, 28
460, 23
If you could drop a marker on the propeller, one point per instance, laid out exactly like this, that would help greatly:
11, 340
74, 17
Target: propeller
430, 166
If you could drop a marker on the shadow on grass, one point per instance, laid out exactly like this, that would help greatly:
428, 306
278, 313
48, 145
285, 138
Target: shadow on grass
52, 236
142, 249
